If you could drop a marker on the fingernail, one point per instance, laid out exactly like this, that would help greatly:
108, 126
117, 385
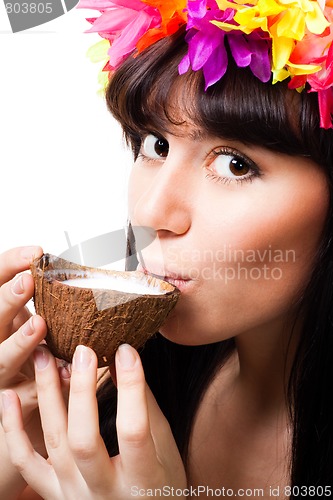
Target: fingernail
82, 358
6, 400
41, 357
17, 286
64, 373
29, 253
28, 328
126, 355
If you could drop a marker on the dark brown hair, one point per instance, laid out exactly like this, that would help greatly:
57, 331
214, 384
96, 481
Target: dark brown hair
147, 95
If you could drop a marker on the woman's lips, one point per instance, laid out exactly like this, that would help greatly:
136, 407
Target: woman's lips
181, 284
180, 281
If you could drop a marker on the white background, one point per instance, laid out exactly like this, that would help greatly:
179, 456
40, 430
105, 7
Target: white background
63, 163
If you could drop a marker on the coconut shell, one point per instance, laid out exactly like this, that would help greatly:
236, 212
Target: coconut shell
98, 318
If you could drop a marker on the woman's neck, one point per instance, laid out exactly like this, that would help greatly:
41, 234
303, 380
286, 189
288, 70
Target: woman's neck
262, 364
241, 434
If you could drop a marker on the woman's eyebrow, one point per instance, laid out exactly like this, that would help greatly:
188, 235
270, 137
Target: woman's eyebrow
197, 134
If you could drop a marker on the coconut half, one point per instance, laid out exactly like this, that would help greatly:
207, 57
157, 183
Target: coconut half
98, 308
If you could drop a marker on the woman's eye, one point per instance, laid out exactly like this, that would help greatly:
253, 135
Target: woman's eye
227, 164
155, 147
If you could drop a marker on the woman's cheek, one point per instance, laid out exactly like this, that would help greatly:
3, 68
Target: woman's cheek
133, 192
258, 272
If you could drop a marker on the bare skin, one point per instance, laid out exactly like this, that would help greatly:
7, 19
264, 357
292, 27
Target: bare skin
61, 455
18, 339
199, 193
241, 436
20, 334
238, 442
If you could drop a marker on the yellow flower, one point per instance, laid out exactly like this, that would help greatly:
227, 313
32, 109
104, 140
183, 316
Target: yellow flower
285, 21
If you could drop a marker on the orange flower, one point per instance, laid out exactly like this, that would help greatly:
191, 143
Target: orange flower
173, 16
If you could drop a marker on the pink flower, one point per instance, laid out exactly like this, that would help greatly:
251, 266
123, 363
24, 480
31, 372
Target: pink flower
123, 22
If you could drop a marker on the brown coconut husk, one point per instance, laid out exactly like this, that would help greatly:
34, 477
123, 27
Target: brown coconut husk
100, 319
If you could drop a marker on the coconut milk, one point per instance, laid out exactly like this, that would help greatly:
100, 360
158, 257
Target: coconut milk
119, 284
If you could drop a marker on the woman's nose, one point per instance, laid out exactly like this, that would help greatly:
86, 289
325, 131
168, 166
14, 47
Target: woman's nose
165, 203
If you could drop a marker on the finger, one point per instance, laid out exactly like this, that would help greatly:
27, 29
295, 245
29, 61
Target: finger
136, 446
86, 443
64, 370
27, 394
13, 297
17, 260
22, 316
160, 427
15, 350
34, 469
165, 445
52, 412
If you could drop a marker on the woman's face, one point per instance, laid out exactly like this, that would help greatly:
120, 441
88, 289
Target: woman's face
237, 229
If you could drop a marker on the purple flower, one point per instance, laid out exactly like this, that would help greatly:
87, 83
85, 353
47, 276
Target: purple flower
206, 45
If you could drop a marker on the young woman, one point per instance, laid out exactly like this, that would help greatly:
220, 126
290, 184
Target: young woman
235, 177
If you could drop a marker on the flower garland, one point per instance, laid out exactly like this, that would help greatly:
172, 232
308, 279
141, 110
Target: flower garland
276, 39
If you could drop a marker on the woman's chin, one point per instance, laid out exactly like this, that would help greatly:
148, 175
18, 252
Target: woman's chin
175, 330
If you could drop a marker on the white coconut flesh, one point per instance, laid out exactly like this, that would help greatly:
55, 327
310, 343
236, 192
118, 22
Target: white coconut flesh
116, 283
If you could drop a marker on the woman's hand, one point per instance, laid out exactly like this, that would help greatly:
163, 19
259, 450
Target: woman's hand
19, 335
79, 465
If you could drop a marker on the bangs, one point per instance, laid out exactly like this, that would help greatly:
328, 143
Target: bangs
147, 95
